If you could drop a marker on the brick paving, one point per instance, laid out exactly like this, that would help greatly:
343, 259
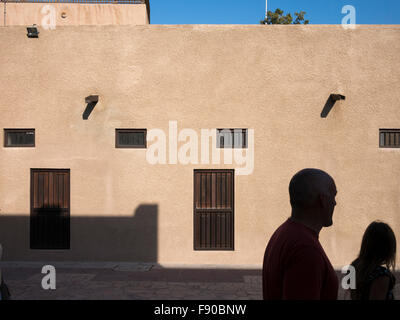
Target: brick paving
127, 281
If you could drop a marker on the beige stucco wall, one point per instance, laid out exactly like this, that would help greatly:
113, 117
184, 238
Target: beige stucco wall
274, 79
24, 14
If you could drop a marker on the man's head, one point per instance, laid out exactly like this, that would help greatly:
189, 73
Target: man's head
312, 196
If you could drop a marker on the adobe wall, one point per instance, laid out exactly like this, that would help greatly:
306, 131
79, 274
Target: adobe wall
274, 79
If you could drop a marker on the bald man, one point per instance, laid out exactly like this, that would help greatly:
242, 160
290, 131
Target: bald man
295, 264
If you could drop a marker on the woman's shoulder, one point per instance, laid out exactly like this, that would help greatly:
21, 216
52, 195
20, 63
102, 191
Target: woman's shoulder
379, 272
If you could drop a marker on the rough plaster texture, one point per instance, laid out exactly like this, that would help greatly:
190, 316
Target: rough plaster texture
24, 14
274, 79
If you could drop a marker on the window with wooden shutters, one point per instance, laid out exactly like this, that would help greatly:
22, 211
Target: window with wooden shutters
130, 138
214, 209
19, 137
389, 138
232, 138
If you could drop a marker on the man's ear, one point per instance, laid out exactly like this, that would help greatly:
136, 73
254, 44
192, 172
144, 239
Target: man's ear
322, 200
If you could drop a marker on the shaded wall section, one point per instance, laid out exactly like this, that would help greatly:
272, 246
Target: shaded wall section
95, 238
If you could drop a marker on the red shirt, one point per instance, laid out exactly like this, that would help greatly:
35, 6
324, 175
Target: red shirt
296, 267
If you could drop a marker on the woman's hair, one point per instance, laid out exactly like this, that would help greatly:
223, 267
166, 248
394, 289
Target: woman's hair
378, 247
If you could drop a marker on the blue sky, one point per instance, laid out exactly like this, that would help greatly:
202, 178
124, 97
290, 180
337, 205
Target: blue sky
252, 11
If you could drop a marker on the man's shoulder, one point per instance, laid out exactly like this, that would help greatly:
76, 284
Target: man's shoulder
294, 234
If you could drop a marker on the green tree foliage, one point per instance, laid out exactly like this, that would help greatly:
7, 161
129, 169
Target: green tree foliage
278, 17
300, 18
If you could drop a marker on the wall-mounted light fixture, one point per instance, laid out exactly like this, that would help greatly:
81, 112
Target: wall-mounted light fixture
330, 103
91, 103
32, 32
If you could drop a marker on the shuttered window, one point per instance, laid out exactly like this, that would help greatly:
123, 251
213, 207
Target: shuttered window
19, 137
231, 138
214, 209
130, 138
389, 138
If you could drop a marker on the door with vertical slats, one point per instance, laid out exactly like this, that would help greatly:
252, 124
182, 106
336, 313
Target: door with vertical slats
214, 209
50, 209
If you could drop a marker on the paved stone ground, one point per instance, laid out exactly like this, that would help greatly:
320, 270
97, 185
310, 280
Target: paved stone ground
133, 281
122, 281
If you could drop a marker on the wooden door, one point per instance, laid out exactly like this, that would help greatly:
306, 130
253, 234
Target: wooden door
50, 209
214, 209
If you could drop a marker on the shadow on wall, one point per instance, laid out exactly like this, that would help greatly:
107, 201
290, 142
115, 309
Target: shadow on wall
92, 238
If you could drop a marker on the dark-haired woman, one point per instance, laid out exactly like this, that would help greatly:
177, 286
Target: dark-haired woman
375, 263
